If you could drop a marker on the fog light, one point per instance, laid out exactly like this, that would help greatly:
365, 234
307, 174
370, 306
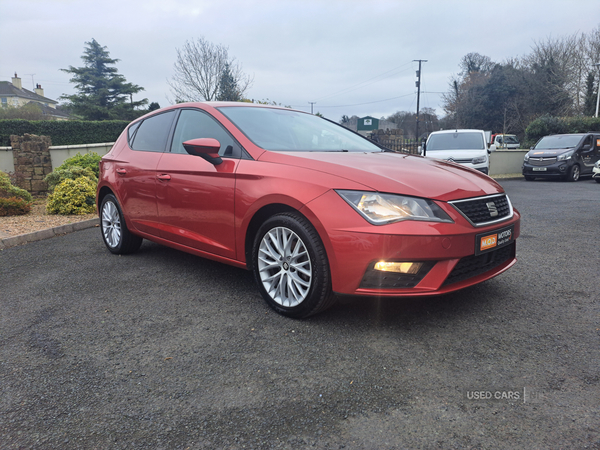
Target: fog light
398, 267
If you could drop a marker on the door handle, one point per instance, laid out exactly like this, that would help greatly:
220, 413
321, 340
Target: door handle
121, 171
164, 177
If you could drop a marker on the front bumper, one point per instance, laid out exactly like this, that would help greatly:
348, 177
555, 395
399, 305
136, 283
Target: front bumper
556, 170
446, 249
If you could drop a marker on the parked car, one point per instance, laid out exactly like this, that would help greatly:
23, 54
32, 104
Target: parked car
564, 156
596, 172
466, 147
504, 141
310, 207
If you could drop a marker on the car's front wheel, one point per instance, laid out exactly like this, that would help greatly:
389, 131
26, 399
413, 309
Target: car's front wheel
574, 173
116, 235
291, 267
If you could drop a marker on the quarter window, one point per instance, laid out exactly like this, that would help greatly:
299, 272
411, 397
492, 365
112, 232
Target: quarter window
152, 134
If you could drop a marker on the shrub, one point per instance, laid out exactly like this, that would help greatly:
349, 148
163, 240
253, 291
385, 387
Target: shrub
7, 190
73, 197
14, 206
87, 160
543, 126
69, 173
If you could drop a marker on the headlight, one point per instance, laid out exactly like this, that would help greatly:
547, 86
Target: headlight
565, 156
526, 157
479, 160
381, 209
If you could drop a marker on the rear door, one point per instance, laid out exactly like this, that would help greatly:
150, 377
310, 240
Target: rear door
136, 171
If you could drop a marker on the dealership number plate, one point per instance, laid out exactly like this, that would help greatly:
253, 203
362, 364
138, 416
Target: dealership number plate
540, 169
487, 242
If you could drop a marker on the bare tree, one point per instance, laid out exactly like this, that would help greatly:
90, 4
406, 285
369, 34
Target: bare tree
198, 70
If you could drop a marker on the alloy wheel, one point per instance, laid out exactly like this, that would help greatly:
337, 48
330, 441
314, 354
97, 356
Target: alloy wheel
111, 224
284, 266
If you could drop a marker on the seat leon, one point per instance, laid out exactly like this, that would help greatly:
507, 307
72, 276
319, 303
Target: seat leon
313, 209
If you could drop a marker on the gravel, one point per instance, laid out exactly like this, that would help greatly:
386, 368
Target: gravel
37, 220
166, 350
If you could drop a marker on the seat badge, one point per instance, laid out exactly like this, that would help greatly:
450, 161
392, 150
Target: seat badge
491, 206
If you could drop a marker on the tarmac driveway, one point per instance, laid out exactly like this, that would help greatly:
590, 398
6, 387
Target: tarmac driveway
166, 350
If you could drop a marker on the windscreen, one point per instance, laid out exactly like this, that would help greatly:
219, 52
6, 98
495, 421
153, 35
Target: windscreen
456, 141
287, 130
558, 142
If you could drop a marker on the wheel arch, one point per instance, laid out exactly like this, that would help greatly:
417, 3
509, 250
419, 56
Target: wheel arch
257, 220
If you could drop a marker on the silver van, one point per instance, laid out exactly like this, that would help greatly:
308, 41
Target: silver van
466, 147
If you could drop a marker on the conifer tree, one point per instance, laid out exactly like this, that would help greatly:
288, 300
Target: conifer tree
102, 93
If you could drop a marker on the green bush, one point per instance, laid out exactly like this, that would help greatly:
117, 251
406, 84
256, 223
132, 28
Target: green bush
73, 197
7, 190
87, 161
69, 173
546, 125
14, 206
63, 132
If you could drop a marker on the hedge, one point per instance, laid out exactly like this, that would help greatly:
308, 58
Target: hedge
63, 132
546, 125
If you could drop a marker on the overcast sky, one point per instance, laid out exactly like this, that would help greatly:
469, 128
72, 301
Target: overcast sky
350, 57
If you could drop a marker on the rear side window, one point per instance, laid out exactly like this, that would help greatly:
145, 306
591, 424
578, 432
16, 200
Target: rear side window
152, 134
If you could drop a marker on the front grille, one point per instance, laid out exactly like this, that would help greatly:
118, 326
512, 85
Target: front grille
474, 265
542, 161
460, 161
485, 210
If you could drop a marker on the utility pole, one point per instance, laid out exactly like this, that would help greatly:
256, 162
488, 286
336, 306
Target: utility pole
418, 98
311, 106
598, 96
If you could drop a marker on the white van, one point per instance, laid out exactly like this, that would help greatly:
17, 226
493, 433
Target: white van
466, 147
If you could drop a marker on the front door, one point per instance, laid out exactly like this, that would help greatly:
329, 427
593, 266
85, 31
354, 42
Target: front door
195, 198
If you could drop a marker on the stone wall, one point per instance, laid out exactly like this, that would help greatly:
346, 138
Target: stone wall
31, 156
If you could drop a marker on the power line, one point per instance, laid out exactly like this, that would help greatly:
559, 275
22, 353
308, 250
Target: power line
357, 104
366, 82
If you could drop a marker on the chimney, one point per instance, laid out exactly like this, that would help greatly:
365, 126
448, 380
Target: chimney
16, 81
39, 90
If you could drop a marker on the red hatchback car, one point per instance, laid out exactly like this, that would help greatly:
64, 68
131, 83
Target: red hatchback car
310, 207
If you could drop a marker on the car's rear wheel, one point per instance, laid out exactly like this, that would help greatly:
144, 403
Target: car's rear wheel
574, 173
290, 266
116, 235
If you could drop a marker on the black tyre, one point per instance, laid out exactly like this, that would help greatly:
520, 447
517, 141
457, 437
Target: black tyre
574, 173
116, 235
290, 266
597, 179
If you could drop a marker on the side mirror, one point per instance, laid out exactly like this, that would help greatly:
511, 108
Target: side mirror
206, 148
492, 148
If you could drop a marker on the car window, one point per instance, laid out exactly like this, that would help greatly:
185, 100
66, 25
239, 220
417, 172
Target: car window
456, 141
194, 124
131, 132
558, 142
152, 134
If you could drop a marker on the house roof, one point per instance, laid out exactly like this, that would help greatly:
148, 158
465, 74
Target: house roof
7, 89
53, 112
